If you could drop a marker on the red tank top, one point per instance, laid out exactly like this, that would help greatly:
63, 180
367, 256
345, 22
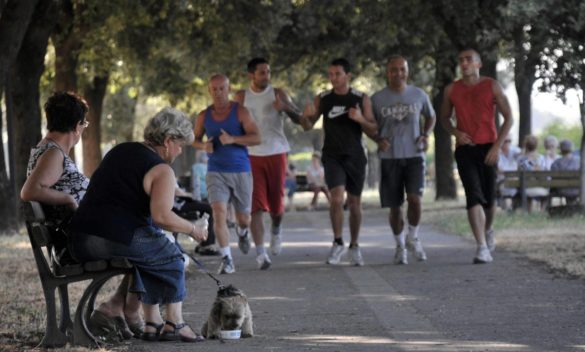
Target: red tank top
475, 108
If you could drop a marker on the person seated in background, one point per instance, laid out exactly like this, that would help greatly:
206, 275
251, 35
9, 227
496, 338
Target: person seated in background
54, 181
506, 162
550, 151
290, 183
316, 180
567, 162
127, 206
531, 160
198, 174
192, 209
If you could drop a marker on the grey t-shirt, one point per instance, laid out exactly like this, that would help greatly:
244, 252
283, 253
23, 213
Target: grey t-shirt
398, 115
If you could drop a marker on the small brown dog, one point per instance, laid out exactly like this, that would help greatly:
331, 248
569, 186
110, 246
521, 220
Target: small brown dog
230, 311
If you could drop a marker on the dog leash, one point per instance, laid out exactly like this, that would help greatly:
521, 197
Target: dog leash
201, 267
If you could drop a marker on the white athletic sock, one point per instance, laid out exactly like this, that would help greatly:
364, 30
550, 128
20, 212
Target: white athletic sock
260, 249
225, 251
400, 239
412, 232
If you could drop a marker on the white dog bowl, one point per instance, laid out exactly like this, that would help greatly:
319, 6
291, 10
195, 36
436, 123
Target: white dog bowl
230, 334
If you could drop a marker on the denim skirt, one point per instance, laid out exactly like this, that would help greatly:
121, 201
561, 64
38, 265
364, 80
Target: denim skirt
159, 276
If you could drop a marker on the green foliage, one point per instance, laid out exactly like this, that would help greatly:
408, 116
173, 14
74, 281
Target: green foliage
562, 130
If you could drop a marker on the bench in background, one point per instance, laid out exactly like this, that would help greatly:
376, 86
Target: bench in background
54, 276
302, 184
552, 180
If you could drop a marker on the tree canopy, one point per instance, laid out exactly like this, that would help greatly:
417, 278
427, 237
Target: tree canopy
119, 54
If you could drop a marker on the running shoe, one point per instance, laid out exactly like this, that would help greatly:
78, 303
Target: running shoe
337, 250
263, 261
415, 246
226, 266
483, 255
355, 256
401, 256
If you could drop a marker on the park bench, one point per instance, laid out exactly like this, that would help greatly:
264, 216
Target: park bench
54, 276
302, 184
553, 180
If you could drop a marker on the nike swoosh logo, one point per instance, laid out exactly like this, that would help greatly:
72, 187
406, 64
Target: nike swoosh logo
334, 114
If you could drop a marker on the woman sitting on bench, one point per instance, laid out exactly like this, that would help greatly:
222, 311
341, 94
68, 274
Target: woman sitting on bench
127, 205
54, 181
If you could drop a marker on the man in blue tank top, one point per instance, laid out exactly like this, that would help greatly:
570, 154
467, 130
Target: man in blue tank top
347, 113
230, 130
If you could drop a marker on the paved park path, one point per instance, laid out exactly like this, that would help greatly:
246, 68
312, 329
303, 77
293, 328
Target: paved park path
445, 304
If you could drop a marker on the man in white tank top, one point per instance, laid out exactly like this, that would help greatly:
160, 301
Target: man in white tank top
268, 159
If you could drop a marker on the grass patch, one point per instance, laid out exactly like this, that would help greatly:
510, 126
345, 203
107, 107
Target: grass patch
559, 243
22, 303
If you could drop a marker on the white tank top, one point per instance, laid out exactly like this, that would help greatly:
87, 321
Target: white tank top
269, 121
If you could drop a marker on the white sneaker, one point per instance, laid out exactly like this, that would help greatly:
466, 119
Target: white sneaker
414, 245
490, 239
263, 261
275, 244
243, 239
226, 266
337, 250
400, 256
355, 256
482, 255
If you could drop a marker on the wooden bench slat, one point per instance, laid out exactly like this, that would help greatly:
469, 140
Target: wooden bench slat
554, 183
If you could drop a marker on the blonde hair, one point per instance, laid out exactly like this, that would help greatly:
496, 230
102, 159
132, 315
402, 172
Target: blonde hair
171, 123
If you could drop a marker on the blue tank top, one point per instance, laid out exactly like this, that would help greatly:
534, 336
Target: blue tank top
231, 157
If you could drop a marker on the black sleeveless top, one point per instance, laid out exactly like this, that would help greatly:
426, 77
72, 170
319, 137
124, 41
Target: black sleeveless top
343, 136
115, 204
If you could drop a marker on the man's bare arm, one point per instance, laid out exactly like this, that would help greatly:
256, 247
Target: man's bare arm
310, 114
285, 104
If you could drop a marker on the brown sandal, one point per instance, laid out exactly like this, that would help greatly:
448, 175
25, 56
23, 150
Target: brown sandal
175, 336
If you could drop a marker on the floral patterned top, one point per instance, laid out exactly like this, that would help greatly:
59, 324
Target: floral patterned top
71, 181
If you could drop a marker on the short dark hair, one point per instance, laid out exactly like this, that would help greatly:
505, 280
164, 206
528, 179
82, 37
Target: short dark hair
475, 52
343, 63
64, 111
252, 64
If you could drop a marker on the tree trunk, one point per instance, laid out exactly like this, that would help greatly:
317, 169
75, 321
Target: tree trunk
444, 178
524, 90
524, 77
582, 108
67, 44
25, 77
15, 17
94, 93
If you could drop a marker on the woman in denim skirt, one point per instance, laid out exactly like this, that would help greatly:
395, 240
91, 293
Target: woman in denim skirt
128, 203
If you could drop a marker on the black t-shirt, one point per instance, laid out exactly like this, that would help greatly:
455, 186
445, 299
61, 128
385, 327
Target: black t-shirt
116, 204
343, 136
